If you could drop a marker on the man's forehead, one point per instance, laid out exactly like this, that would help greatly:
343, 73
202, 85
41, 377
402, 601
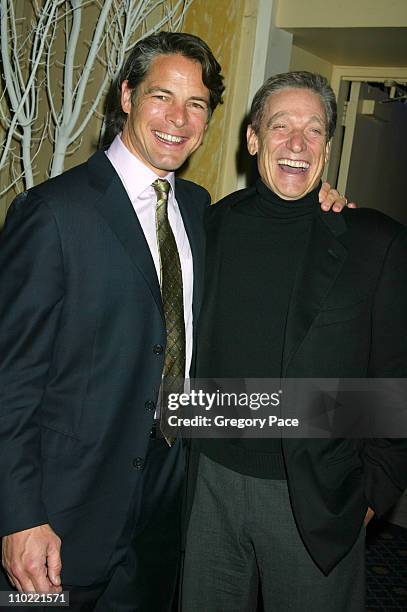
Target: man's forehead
168, 63
295, 100
287, 113
168, 72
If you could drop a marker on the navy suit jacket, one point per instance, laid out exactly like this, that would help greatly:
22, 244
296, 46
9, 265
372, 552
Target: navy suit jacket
82, 342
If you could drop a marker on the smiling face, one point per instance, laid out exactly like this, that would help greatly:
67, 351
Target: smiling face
169, 116
291, 143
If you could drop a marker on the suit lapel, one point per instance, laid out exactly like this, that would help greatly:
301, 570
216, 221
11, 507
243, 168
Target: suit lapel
194, 228
318, 269
114, 205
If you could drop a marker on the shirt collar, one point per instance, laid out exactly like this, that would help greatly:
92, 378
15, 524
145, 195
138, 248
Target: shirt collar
136, 176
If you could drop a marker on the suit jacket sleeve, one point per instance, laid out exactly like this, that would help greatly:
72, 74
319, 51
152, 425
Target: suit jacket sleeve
31, 281
386, 459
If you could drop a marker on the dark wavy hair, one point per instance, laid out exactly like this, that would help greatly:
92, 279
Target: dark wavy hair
138, 63
297, 80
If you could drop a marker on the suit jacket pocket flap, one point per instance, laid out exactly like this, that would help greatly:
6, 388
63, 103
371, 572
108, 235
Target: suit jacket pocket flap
342, 314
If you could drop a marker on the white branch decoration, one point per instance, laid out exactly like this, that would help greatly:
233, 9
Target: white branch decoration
33, 98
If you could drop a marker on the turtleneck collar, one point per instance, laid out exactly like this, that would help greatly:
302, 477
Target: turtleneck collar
269, 204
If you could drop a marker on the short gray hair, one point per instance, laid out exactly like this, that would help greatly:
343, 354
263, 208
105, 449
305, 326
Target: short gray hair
295, 80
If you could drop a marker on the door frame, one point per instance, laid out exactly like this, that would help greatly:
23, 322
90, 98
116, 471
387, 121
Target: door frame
345, 78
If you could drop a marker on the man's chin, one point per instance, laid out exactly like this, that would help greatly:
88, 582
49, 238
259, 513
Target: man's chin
170, 164
293, 193
292, 196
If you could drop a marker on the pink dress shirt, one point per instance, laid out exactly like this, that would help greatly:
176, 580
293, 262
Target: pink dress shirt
137, 180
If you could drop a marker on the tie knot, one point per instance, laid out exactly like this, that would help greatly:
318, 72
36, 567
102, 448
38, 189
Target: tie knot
161, 188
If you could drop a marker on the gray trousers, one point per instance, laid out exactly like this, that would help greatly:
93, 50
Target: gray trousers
242, 538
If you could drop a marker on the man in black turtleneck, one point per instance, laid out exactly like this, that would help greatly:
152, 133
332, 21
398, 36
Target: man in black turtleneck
293, 292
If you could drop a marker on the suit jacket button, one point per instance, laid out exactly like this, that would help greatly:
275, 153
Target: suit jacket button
150, 405
157, 349
138, 463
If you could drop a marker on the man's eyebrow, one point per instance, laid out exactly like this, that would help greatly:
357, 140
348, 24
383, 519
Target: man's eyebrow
282, 114
161, 89
276, 116
200, 99
318, 119
171, 93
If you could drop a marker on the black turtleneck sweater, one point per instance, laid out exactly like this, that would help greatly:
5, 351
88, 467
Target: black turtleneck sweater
262, 245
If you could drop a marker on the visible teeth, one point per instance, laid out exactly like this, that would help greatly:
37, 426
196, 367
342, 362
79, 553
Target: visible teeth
293, 163
168, 137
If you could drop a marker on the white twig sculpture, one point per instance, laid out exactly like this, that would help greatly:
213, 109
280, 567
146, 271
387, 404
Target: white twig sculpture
52, 84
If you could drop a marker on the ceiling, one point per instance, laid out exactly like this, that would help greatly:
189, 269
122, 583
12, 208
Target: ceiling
355, 46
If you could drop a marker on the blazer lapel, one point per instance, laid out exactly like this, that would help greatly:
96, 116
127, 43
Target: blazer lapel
114, 205
194, 227
320, 266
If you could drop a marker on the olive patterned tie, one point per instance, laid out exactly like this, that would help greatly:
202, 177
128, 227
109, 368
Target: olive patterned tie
173, 305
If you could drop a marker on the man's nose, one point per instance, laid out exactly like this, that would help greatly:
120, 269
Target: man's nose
297, 141
177, 115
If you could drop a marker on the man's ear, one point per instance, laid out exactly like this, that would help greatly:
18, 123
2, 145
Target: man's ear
126, 97
328, 150
252, 140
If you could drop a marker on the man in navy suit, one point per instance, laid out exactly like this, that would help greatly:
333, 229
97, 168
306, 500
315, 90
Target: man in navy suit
83, 339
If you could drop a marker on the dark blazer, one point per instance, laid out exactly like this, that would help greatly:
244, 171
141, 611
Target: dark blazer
347, 318
82, 341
